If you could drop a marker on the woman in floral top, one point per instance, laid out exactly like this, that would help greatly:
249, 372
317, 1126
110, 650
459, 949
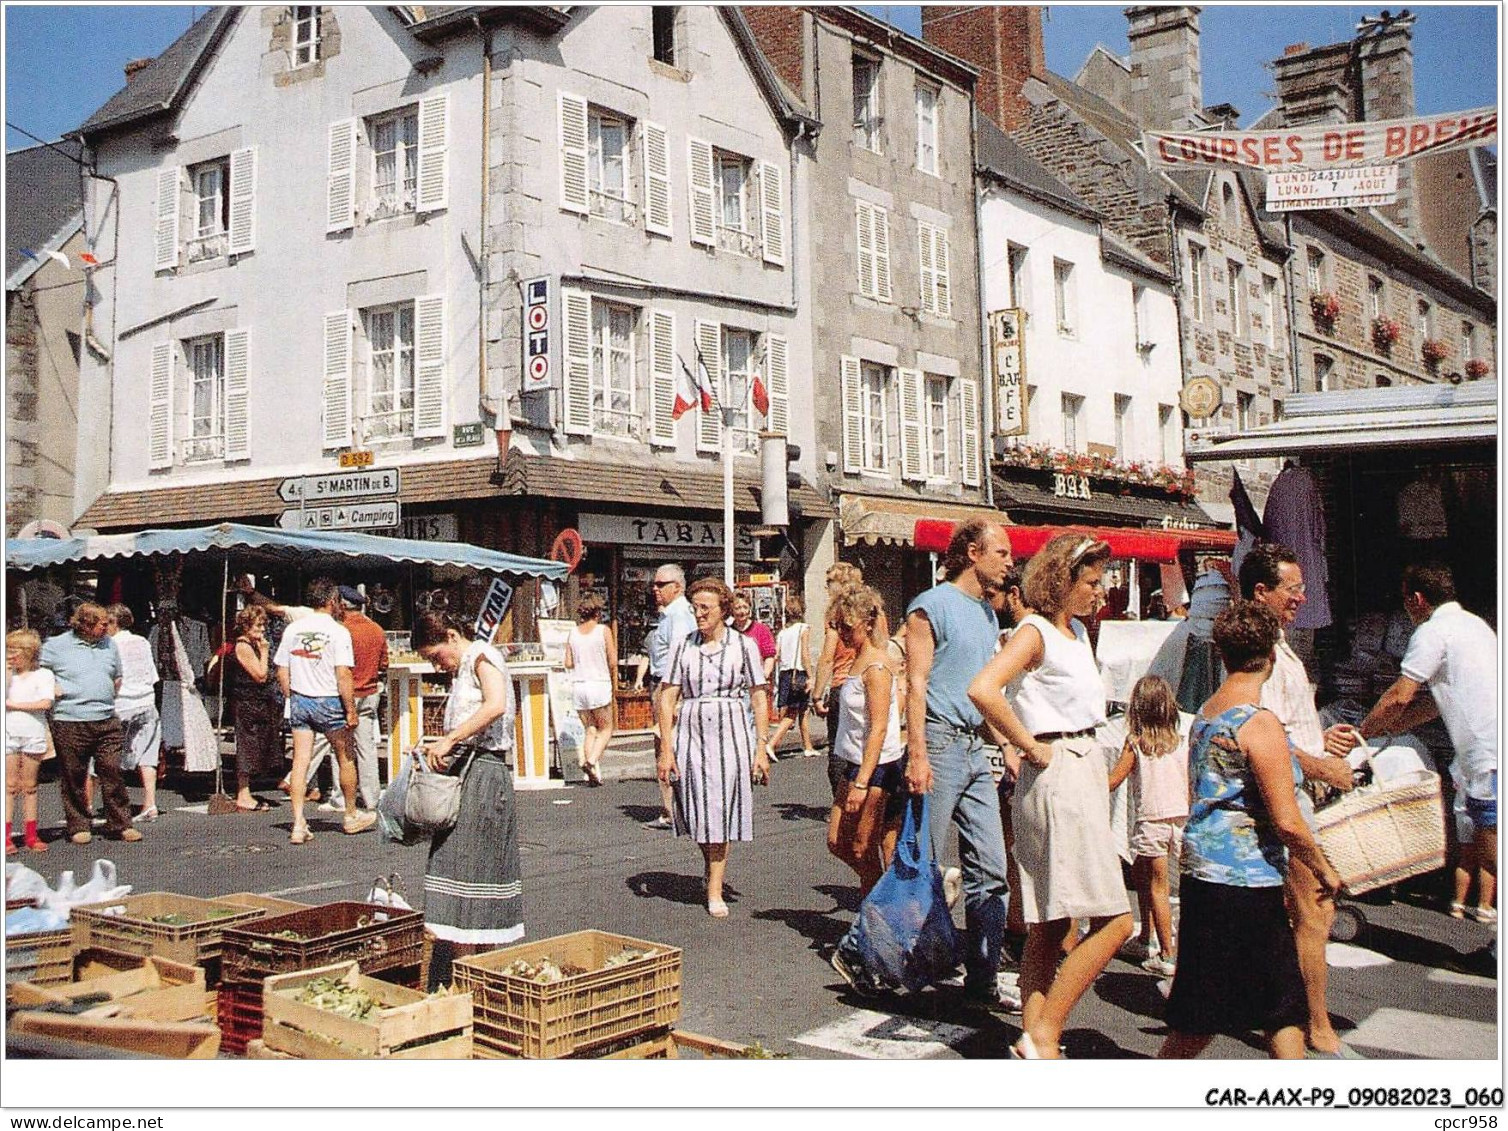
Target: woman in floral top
1237, 965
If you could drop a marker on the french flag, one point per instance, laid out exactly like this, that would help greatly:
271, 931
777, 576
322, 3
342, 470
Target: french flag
692, 391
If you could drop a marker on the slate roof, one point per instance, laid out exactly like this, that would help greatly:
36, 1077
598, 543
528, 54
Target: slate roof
42, 197
1001, 156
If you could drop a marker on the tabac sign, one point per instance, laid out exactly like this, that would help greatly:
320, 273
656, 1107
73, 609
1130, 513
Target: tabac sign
1008, 362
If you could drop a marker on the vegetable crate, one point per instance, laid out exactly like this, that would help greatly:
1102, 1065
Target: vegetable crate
268, 904
406, 1025
238, 1012
43, 958
145, 989
179, 927
520, 1017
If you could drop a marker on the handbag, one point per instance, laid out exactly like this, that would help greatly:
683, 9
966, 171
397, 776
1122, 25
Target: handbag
800, 681
433, 800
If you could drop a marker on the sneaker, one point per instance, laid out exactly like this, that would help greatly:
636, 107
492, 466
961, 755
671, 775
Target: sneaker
1162, 967
148, 814
81, 838
810, 753
660, 822
856, 980
359, 822
336, 805
1165, 987
1135, 950
300, 835
952, 885
130, 836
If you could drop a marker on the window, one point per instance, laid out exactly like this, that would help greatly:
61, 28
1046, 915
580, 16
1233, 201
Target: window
663, 17
305, 34
1244, 403
1196, 281
607, 167
1323, 367
926, 128
1316, 270
1167, 433
1270, 307
875, 452
390, 370
1426, 320
1375, 300
1063, 296
206, 365
1123, 427
1468, 342
733, 228
1235, 279
1019, 284
1073, 406
614, 353
395, 162
1228, 202
936, 287
1382, 380
874, 250
210, 183
740, 367
937, 427
866, 103
1138, 331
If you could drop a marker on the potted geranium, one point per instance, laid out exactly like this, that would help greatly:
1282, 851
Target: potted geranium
1434, 351
1325, 306
1476, 369
1385, 332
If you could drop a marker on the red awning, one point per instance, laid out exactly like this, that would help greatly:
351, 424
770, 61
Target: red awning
1126, 542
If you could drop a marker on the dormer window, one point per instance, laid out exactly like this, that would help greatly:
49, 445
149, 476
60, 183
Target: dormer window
664, 20
305, 34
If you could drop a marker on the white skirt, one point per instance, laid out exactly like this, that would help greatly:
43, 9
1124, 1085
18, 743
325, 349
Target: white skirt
590, 694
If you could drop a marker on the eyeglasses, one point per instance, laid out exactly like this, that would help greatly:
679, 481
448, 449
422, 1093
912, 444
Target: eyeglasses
1299, 590
661, 584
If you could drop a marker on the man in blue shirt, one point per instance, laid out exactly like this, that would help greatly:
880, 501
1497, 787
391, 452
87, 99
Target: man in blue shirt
676, 622
951, 633
84, 725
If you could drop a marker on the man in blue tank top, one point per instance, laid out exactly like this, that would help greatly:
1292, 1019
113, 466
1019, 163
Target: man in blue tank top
951, 632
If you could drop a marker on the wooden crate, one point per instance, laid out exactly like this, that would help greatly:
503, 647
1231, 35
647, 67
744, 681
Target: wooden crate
661, 1044
181, 1040
128, 925
409, 1026
156, 989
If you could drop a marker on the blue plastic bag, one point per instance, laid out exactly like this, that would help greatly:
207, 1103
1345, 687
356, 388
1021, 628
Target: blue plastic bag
904, 937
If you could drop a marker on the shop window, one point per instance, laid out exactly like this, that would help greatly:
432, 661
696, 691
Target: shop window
866, 103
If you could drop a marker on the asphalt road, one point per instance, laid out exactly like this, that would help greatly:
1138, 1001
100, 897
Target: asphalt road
1415, 983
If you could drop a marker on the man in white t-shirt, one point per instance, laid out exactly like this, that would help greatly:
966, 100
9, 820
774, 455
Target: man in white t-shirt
1452, 657
314, 662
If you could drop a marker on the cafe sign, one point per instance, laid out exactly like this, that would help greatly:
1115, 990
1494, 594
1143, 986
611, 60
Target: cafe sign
1008, 365
669, 533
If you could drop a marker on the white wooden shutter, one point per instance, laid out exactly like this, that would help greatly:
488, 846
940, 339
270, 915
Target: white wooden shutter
576, 390
772, 212
429, 364
337, 398
944, 284
662, 378
703, 203
865, 222
160, 407
881, 253
914, 462
709, 425
434, 166
657, 215
777, 377
968, 415
167, 219
924, 249
573, 153
237, 394
853, 415
243, 189
340, 191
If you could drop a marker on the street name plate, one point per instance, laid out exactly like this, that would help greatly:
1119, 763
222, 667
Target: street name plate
309, 489
382, 515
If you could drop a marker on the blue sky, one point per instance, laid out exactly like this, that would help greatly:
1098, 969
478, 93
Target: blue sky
62, 62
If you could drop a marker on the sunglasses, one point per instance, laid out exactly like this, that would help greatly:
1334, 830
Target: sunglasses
661, 584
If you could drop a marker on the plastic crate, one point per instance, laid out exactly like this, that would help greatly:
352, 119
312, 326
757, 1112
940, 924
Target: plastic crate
519, 1017
238, 1012
268, 904
389, 944
43, 958
128, 925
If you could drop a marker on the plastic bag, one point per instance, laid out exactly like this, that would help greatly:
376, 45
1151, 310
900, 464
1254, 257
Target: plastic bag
391, 803
904, 936
22, 883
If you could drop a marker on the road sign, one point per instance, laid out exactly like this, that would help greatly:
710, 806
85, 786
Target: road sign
313, 489
381, 515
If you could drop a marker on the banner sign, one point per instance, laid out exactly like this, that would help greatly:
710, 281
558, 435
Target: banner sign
1353, 186
1008, 360
539, 336
494, 607
1323, 146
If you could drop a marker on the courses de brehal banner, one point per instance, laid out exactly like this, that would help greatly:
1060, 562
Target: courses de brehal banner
1325, 146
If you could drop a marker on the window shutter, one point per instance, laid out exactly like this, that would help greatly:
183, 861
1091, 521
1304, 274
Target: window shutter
434, 168
881, 254
237, 393
243, 188
913, 437
167, 219
573, 144
429, 364
576, 391
703, 207
944, 283
656, 179
709, 425
340, 193
968, 416
662, 382
853, 417
865, 220
772, 212
160, 407
337, 428
925, 257
777, 377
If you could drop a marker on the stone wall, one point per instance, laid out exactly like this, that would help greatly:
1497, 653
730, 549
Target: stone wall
21, 336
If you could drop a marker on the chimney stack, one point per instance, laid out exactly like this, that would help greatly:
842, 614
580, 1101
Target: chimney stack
1167, 83
1314, 84
135, 65
782, 34
1385, 89
1004, 42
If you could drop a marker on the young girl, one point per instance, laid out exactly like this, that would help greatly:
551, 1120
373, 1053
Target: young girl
1160, 788
29, 692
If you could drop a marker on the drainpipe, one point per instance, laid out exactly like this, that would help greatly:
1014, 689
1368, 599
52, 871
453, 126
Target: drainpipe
88, 172
502, 421
986, 371
1293, 321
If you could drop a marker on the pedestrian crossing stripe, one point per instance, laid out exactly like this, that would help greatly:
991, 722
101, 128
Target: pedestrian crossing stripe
869, 1035
1426, 1034
1350, 957
1452, 978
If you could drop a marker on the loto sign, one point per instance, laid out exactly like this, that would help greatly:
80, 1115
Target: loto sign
541, 302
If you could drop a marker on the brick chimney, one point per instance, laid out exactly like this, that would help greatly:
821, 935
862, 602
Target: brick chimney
1167, 82
780, 32
1004, 42
1384, 56
1314, 84
135, 65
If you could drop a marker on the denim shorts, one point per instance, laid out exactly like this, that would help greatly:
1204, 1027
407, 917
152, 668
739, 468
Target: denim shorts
1484, 812
321, 714
889, 778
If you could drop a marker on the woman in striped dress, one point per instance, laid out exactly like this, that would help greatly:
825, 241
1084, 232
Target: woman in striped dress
472, 890
714, 755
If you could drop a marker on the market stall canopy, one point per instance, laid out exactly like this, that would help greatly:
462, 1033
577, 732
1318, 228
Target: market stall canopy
312, 549
1405, 416
876, 519
1126, 543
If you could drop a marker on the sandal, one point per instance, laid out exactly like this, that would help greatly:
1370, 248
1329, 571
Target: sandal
37, 845
1025, 1049
300, 835
717, 909
1457, 910
1486, 915
260, 807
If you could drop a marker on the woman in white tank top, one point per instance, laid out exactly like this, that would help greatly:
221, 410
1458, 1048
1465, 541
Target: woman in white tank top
1061, 807
591, 654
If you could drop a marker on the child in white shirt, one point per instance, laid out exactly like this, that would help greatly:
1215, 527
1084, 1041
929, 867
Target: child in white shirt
1160, 789
29, 694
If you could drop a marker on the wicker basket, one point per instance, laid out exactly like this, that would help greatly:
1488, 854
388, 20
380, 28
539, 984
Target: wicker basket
1379, 835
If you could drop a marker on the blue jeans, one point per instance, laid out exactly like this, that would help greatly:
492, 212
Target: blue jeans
963, 791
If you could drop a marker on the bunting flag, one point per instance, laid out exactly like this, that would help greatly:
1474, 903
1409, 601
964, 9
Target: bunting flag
39, 256
691, 391
761, 396
87, 259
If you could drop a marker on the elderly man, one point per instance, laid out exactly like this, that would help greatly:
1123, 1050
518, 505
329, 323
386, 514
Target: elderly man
1270, 574
676, 623
88, 670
